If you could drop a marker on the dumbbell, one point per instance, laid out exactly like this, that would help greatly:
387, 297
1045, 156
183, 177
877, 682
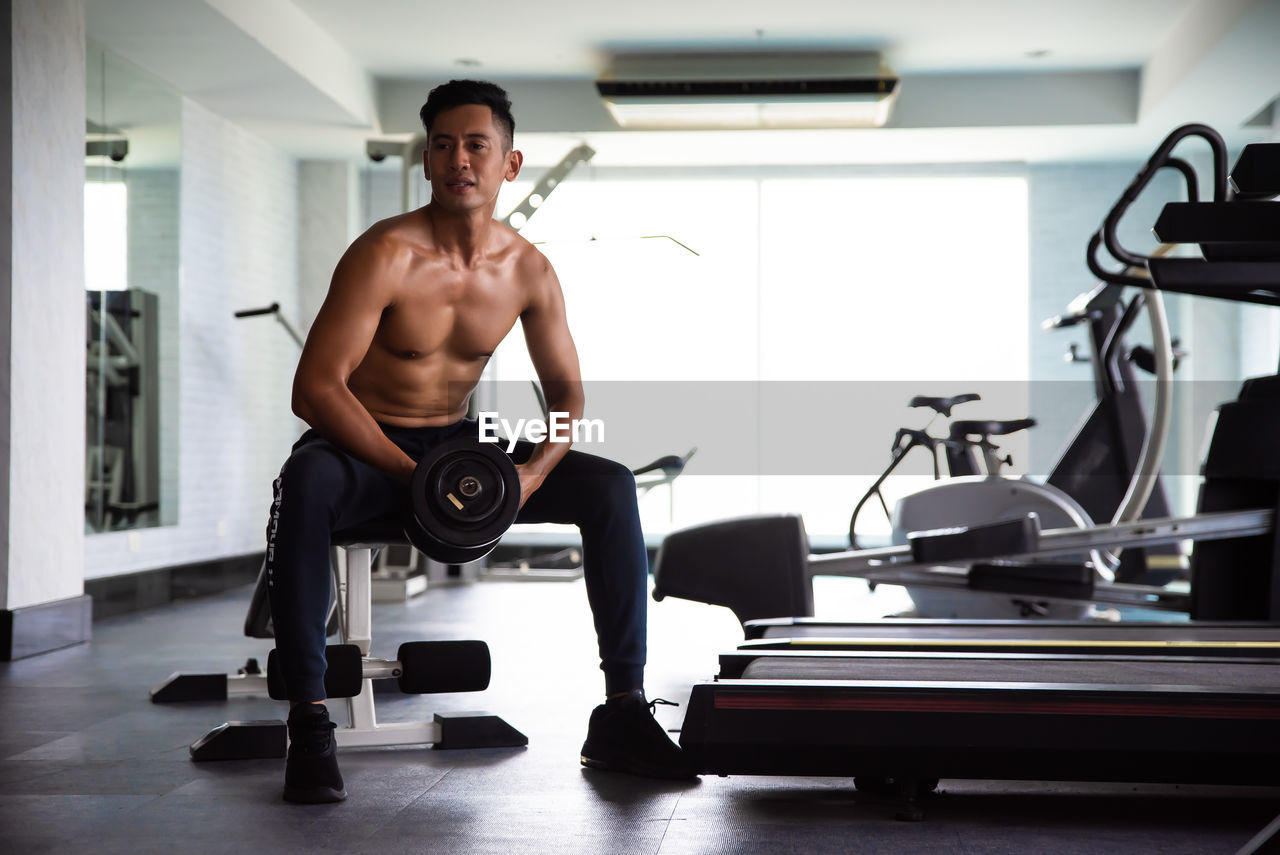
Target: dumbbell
420, 668
464, 495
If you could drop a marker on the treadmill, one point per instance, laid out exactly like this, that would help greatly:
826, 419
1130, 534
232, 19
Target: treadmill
900, 704
916, 718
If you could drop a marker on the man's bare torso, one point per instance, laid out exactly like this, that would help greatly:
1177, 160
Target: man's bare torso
444, 321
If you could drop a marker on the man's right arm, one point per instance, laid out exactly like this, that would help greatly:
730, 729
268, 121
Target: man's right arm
362, 287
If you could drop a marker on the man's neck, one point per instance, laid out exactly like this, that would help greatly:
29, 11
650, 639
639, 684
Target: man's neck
465, 235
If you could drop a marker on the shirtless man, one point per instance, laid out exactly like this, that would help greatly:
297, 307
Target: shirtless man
416, 307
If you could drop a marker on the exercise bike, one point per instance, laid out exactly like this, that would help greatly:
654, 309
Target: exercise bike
974, 495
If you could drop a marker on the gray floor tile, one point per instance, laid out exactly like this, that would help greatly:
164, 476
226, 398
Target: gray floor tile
61, 817
88, 764
17, 741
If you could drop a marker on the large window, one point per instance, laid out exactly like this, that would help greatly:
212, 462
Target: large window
873, 291
780, 323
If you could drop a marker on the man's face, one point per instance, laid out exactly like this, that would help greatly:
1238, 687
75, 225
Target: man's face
465, 159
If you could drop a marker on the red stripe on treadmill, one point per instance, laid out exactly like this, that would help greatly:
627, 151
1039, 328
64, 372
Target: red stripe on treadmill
773, 702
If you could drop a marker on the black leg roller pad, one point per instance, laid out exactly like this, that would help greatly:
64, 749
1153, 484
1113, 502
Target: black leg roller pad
343, 673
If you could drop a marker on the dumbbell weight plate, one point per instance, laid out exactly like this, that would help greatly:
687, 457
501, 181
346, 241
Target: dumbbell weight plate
464, 495
451, 471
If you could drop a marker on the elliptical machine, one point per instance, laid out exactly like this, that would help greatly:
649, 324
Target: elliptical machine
1098, 466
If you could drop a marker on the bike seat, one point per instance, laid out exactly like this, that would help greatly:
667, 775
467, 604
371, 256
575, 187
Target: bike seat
963, 428
942, 405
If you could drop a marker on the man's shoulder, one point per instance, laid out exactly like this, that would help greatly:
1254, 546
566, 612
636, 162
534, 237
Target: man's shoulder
393, 236
409, 226
529, 259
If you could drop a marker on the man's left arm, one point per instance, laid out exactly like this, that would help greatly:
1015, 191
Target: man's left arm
555, 359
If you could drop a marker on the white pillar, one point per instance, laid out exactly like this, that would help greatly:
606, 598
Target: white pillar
42, 318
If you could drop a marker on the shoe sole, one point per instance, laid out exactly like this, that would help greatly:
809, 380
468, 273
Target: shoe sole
644, 770
314, 796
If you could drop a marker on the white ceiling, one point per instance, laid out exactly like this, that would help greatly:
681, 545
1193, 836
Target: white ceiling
401, 38
982, 80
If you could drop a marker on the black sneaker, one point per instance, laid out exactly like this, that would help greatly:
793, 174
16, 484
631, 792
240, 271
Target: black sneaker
311, 773
623, 736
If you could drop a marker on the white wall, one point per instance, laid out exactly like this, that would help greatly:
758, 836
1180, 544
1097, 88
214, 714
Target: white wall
380, 194
238, 249
44, 292
328, 208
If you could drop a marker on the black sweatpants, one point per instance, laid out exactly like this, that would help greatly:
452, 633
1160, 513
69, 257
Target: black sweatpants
322, 489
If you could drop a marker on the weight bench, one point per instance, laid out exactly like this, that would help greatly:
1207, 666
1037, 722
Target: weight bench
421, 667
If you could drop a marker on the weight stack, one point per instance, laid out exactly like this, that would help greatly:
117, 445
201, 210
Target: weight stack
1237, 579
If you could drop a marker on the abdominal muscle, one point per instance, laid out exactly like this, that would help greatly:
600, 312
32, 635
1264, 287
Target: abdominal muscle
415, 391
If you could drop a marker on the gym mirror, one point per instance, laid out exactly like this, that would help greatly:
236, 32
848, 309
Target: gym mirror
132, 170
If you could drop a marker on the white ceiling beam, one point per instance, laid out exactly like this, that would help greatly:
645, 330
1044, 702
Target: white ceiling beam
1219, 64
250, 61
307, 48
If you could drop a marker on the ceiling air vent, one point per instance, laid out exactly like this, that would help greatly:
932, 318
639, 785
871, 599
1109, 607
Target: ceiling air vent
749, 90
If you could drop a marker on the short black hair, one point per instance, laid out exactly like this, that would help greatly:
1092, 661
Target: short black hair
457, 93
